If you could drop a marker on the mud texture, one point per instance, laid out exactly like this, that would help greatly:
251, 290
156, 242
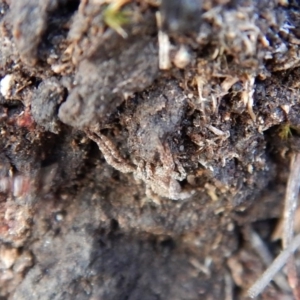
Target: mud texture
142, 144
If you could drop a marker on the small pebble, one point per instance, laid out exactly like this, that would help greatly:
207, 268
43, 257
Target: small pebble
8, 256
5, 85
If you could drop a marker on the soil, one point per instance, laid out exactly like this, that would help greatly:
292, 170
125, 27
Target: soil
143, 144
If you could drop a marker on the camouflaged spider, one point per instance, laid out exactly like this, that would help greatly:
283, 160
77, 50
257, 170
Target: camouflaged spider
162, 180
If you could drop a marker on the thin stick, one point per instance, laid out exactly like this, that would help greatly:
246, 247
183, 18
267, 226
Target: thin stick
290, 245
267, 258
277, 264
291, 200
164, 46
290, 206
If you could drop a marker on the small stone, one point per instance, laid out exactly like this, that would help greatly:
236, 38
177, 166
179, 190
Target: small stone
59, 217
23, 262
8, 256
250, 169
5, 276
5, 85
182, 58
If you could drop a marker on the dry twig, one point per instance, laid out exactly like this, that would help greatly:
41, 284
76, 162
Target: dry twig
267, 258
277, 264
290, 206
289, 244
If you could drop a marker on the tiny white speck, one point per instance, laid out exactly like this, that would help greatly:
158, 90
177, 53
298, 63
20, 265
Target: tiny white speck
59, 217
47, 242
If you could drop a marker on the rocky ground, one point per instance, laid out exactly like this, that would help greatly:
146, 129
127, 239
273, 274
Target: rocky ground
145, 146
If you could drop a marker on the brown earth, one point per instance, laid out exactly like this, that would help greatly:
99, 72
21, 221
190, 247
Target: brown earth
129, 173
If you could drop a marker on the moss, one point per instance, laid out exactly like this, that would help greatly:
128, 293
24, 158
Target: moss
115, 19
287, 131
